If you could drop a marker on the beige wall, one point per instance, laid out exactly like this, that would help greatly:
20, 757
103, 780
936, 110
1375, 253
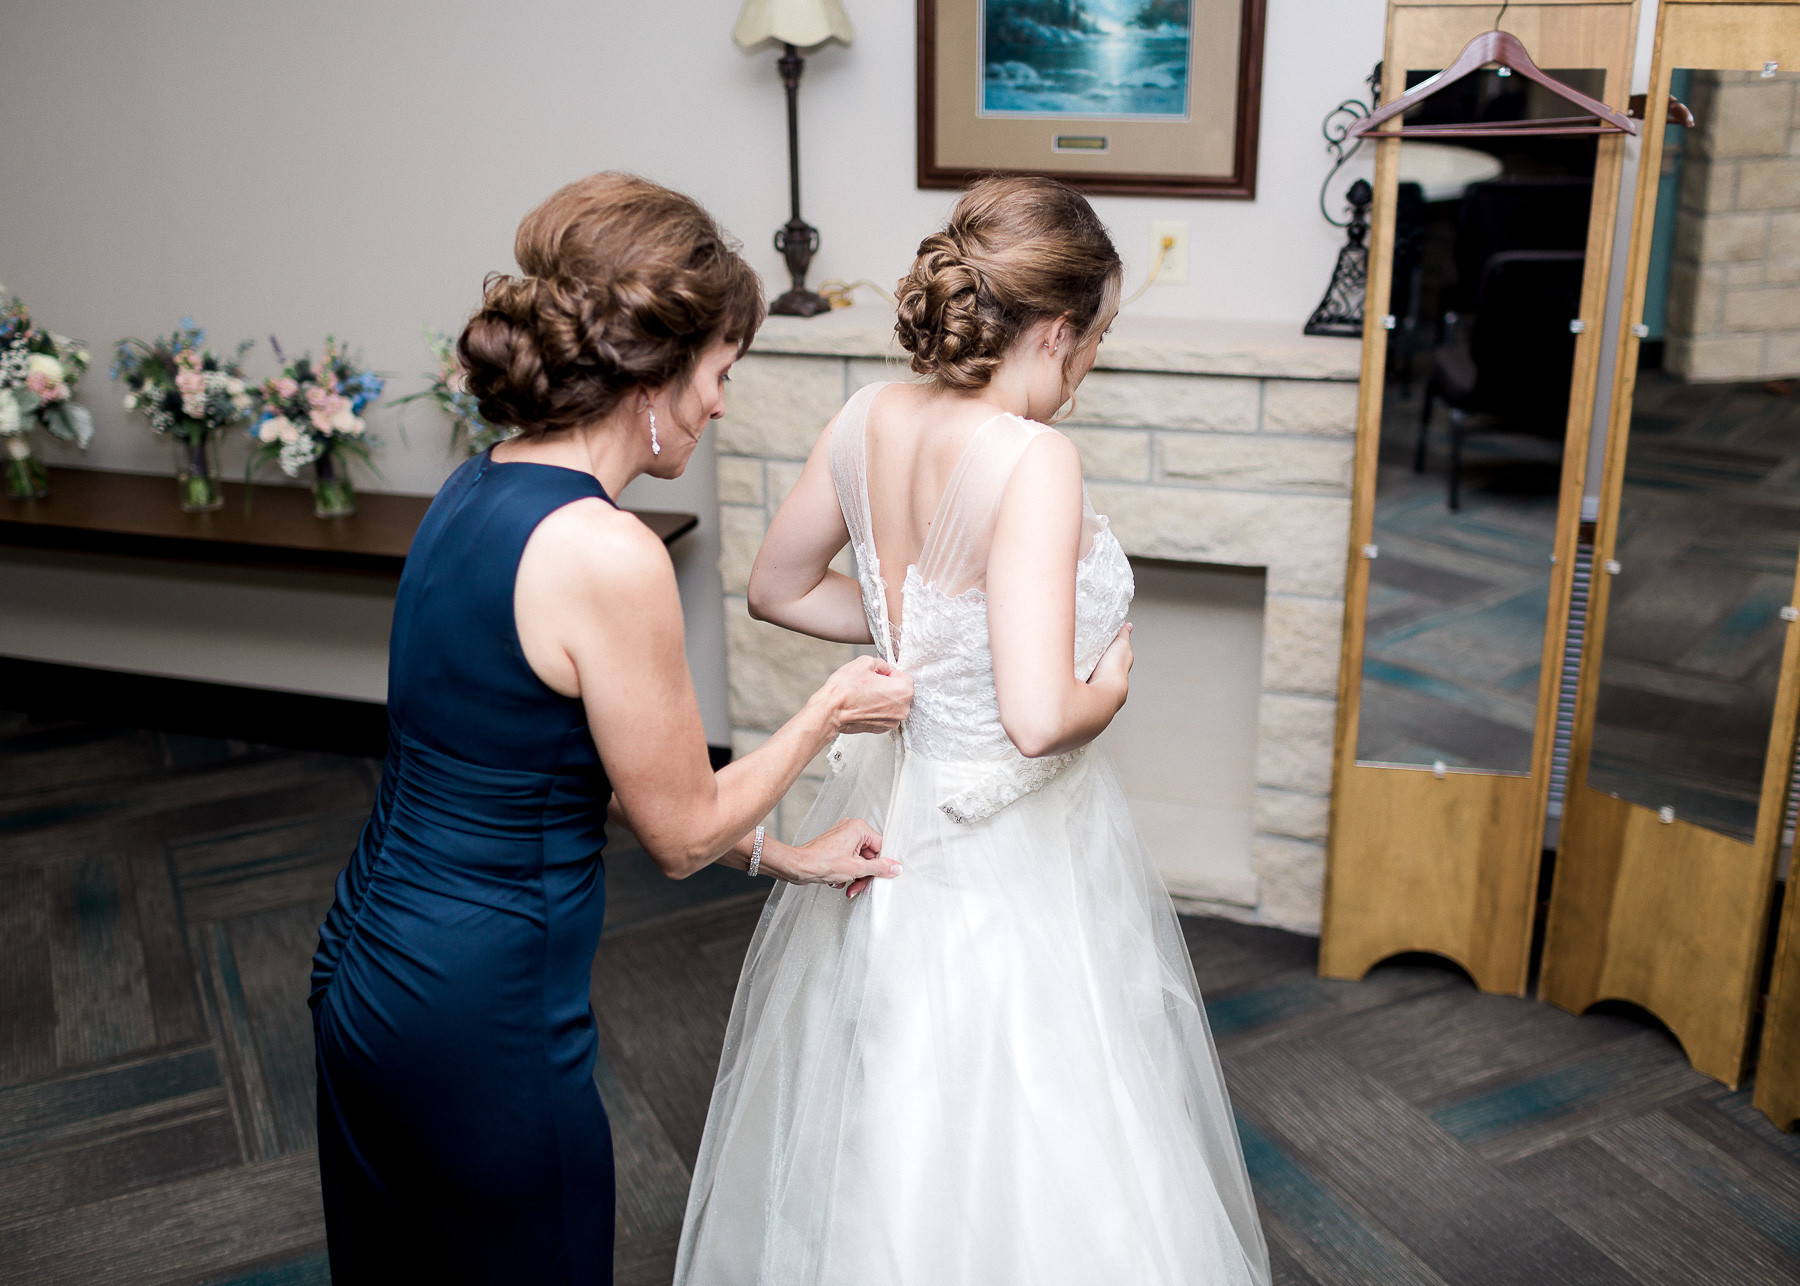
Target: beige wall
290, 631
356, 168
1734, 288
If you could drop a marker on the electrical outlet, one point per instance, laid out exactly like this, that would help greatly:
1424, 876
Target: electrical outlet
1175, 259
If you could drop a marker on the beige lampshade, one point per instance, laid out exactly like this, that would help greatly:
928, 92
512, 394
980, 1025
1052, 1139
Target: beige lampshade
802, 23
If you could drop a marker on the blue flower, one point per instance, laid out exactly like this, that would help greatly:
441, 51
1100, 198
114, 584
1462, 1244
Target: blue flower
363, 389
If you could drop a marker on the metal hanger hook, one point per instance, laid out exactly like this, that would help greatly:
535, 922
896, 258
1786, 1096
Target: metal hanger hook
1504, 6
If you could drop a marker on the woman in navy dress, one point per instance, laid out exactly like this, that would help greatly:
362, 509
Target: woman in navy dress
536, 675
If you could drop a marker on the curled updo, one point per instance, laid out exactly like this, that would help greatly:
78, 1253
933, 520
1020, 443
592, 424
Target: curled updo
625, 283
1016, 251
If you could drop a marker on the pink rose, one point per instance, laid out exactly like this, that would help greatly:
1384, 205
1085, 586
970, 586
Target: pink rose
285, 387
331, 413
190, 381
47, 387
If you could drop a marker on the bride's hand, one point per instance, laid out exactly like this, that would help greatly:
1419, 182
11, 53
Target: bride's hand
1114, 666
848, 856
867, 695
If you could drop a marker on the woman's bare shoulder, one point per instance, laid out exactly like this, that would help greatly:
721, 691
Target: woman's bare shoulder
915, 412
1048, 458
590, 543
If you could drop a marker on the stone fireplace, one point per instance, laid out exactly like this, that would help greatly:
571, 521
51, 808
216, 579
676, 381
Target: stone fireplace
1734, 291
1222, 453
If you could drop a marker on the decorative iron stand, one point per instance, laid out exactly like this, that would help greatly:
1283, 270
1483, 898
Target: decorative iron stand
1340, 312
797, 240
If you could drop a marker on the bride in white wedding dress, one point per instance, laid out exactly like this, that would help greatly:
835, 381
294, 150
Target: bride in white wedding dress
995, 1068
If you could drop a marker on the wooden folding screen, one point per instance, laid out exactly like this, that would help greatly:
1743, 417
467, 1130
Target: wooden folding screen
1650, 906
1445, 859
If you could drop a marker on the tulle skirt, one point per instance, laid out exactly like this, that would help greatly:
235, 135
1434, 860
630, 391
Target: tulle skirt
994, 1069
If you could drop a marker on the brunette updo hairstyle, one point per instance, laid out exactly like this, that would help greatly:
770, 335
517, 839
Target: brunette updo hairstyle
625, 283
1016, 251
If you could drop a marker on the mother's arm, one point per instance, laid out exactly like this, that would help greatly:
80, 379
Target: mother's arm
792, 584
600, 619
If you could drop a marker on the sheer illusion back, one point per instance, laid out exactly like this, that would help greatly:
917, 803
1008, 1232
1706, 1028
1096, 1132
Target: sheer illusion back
941, 598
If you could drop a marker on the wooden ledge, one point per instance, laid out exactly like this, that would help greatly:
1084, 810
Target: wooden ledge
135, 514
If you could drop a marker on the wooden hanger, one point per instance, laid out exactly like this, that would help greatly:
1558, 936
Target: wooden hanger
1678, 110
1504, 48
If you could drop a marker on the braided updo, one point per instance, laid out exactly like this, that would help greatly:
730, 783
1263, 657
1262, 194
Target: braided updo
626, 282
1016, 251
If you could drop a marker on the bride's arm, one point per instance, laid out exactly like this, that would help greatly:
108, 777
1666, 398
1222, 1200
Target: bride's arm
792, 584
1044, 708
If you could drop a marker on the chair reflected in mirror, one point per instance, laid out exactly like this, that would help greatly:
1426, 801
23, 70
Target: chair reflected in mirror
1406, 295
1512, 362
1457, 599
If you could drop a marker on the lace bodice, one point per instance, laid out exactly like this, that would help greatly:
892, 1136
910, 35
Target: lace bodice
942, 636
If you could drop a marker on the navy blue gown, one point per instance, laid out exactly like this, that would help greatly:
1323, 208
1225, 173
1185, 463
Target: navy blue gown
461, 1135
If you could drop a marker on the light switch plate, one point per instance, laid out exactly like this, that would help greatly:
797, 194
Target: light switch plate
1174, 270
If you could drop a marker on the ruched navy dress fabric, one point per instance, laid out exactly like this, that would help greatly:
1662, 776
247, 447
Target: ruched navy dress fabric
461, 1135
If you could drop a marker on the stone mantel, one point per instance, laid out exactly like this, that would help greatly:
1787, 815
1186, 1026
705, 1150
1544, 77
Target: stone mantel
1211, 442
1170, 345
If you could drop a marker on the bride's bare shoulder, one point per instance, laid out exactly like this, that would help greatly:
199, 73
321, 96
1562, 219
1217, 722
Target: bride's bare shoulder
1048, 460
908, 407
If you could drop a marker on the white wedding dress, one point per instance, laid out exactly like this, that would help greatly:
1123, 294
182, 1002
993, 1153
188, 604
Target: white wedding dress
995, 1068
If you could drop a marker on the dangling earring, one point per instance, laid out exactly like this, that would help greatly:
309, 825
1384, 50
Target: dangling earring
655, 446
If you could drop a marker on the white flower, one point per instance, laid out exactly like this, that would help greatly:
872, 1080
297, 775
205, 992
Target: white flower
131, 401
9, 412
298, 453
45, 365
194, 404
345, 421
234, 386
277, 428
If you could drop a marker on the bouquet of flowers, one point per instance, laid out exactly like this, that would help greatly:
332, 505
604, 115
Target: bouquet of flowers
450, 391
188, 393
38, 374
312, 414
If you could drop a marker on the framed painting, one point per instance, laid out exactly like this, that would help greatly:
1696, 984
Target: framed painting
1137, 97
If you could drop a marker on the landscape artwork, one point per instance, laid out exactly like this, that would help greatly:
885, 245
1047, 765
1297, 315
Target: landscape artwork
1093, 58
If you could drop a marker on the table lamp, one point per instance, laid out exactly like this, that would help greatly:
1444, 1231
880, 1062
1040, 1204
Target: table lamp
796, 25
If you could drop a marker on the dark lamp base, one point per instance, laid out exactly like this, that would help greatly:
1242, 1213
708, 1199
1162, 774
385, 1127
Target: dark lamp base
800, 302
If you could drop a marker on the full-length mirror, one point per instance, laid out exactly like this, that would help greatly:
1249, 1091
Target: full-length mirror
1490, 238
1709, 510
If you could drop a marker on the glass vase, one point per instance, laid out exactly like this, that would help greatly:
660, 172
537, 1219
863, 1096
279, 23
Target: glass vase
197, 474
25, 476
333, 496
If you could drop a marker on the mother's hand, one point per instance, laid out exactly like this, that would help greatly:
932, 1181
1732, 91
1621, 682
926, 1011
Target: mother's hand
867, 695
847, 857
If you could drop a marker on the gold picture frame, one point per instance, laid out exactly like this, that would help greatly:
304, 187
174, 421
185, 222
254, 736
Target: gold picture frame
1139, 97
